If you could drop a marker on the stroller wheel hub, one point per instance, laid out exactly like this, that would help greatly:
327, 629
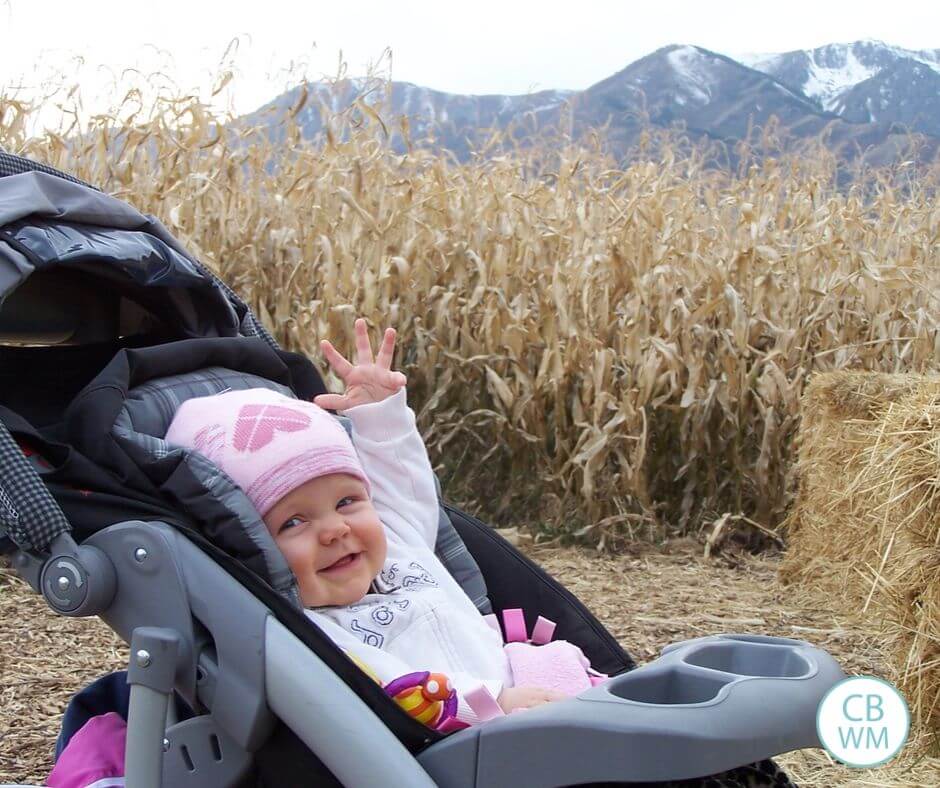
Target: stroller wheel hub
140, 555
79, 580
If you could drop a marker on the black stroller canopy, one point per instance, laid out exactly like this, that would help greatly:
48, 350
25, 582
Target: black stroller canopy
63, 238
83, 274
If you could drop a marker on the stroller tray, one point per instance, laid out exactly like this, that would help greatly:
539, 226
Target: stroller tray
706, 705
705, 671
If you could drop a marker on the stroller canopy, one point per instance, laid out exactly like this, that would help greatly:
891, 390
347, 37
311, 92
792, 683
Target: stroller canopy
60, 238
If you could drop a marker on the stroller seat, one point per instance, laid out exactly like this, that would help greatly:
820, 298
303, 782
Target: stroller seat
104, 518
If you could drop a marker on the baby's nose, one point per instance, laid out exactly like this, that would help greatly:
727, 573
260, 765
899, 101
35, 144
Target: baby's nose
333, 528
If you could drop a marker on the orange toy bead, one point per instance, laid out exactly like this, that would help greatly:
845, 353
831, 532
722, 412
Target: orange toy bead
437, 687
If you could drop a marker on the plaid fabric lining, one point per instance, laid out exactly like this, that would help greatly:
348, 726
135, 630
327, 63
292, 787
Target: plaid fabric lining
17, 165
29, 514
250, 325
455, 556
453, 553
152, 405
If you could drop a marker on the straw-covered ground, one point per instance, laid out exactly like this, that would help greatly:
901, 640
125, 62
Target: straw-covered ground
646, 596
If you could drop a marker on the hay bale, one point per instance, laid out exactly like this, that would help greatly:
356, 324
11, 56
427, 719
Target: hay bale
866, 522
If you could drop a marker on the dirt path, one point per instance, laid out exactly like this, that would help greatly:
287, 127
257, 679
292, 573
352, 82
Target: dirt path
647, 598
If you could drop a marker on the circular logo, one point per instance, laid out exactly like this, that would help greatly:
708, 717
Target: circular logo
863, 721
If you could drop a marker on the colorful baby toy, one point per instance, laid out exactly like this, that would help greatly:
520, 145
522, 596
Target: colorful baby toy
427, 697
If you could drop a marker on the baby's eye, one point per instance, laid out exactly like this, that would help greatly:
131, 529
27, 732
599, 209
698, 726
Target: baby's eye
347, 501
292, 522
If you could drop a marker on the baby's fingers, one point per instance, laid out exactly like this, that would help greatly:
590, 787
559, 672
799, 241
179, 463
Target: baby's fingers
387, 350
363, 345
394, 380
331, 401
335, 359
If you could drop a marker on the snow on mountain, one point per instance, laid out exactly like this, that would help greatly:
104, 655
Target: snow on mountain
692, 72
825, 84
706, 92
826, 73
929, 57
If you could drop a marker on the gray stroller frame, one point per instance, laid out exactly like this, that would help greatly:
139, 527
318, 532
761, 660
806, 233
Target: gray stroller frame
193, 629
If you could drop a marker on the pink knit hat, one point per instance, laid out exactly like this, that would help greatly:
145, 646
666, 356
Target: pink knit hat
267, 443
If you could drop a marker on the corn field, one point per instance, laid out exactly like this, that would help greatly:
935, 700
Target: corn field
595, 349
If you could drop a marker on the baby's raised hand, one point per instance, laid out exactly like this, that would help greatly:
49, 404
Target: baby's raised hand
369, 379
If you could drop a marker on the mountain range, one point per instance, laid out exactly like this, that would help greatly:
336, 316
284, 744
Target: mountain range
864, 99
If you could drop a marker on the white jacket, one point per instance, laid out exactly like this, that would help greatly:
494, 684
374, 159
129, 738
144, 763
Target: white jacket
417, 617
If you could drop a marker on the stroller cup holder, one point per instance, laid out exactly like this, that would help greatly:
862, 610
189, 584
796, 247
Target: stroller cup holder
704, 706
751, 659
706, 672
671, 687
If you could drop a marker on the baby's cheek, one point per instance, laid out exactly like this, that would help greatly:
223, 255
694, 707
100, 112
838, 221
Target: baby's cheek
379, 550
311, 596
299, 558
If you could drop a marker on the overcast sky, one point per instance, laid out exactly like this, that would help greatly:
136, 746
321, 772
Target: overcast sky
475, 46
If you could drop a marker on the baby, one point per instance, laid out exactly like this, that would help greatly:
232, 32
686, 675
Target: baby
357, 526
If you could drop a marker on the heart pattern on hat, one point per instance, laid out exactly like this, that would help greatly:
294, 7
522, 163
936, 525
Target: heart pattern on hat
256, 425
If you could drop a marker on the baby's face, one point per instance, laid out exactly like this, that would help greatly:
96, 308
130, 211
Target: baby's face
332, 538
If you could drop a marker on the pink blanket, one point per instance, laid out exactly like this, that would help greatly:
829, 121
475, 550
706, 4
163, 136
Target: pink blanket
558, 665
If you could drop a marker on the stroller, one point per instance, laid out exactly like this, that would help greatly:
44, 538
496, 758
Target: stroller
107, 324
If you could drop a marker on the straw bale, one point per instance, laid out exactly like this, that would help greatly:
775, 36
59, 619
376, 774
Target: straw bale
866, 523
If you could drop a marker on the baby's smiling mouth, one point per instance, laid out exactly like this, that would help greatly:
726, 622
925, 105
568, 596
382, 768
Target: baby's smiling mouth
346, 561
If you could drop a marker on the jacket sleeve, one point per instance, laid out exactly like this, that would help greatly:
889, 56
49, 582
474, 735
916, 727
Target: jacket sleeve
396, 461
